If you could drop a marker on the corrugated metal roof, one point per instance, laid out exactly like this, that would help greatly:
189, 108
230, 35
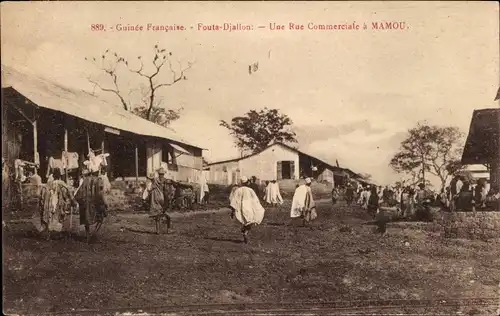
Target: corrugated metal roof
83, 105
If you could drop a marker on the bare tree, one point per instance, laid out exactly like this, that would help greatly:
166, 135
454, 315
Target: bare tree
151, 107
109, 66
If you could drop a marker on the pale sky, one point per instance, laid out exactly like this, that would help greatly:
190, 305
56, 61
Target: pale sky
351, 94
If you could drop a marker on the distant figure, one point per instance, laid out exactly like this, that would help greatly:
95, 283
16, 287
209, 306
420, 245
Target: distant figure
493, 199
254, 186
204, 190
455, 188
265, 190
464, 201
386, 194
273, 195
335, 195
146, 196
480, 193
365, 196
443, 199
373, 202
349, 194
162, 195
303, 205
397, 195
380, 193
246, 207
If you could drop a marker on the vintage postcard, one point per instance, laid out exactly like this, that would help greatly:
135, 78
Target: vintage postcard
251, 158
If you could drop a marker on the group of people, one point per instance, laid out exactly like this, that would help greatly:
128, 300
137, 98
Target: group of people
371, 197
460, 195
269, 194
57, 201
245, 204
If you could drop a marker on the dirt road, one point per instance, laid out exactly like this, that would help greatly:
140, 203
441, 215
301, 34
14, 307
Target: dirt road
204, 261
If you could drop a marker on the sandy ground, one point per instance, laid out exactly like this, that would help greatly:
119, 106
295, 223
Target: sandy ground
338, 258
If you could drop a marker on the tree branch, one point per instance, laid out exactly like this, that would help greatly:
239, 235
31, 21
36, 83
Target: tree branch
116, 92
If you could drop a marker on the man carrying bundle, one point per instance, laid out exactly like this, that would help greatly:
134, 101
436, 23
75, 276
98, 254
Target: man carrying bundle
246, 207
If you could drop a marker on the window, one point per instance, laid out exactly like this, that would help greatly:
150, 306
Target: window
168, 156
285, 169
165, 154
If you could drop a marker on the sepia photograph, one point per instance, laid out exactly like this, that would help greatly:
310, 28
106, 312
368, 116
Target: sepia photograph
250, 158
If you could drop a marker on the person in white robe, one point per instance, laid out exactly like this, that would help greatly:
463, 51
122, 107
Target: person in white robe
267, 190
246, 207
273, 195
303, 205
204, 191
146, 196
365, 196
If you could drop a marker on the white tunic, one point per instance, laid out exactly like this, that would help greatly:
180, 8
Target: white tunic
246, 205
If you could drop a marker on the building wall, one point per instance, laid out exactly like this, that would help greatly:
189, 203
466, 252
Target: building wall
264, 165
224, 173
188, 167
327, 176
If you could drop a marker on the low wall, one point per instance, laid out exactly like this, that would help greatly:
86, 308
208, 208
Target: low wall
471, 225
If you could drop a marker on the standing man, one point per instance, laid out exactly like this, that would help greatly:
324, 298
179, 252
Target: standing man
56, 202
246, 207
92, 201
455, 188
373, 202
349, 193
254, 186
204, 190
162, 196
335, 195
303, 205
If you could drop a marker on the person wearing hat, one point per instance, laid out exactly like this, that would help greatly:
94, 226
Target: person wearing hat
245, 206
161, 195
303, 205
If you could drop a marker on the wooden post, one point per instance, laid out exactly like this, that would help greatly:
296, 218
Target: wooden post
136, 164
102, 149
88, 139
35, 144
66, 152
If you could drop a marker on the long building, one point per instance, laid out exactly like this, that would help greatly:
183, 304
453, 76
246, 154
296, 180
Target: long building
41, 119
277, 162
